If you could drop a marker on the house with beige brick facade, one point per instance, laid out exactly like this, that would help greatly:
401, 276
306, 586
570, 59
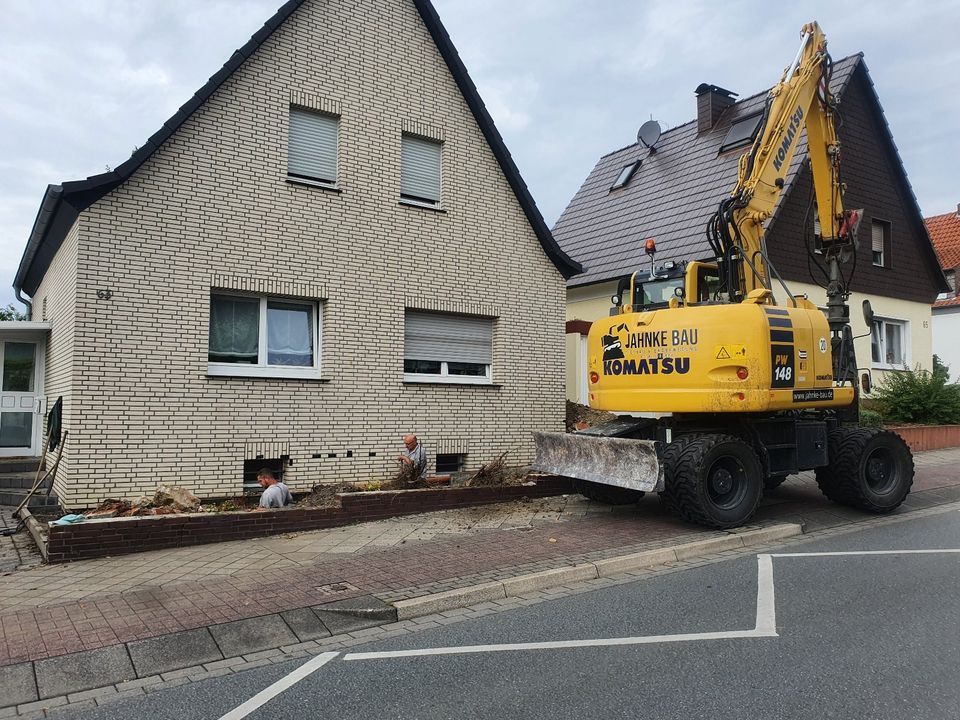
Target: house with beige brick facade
326, 247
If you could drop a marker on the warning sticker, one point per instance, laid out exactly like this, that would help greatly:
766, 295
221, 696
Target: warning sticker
729, 352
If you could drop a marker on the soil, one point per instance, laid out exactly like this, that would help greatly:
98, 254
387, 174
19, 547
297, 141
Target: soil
325, 496
581, 416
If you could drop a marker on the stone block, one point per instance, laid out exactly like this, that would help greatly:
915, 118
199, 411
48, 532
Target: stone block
461, 597
172, 652
18, 683
243, 637
83, 671
305, 624
548, 579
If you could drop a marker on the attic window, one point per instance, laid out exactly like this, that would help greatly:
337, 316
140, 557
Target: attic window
625, 174
741, 133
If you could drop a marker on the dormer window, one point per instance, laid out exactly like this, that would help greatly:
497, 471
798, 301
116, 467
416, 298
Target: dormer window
625, 174
741, 133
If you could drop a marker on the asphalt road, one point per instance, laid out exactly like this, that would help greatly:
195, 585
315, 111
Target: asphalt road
856, 636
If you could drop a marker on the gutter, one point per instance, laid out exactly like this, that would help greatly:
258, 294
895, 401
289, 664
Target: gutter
48, 208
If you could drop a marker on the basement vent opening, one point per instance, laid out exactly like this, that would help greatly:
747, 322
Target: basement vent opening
252, 467
450, 462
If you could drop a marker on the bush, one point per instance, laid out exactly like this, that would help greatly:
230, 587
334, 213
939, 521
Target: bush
919, 396
870, 418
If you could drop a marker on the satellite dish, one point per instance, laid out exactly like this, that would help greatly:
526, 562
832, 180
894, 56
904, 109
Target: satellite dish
648, 134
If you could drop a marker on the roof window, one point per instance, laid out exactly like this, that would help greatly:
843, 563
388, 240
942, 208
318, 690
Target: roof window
625, 174
741, 133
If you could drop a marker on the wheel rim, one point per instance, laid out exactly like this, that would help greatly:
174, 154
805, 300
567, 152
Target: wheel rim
726, 483
881, 471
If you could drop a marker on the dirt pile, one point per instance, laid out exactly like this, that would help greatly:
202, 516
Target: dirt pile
325, 495
497, 472
581, 416
166, 500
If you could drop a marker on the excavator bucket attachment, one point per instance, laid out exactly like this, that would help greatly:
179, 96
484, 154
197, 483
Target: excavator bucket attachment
621, 462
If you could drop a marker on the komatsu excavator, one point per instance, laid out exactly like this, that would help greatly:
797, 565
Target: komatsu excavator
739, 390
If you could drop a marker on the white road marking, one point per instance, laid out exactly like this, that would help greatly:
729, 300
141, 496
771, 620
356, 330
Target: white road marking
279, 686
866, 552
559, 644
766, 606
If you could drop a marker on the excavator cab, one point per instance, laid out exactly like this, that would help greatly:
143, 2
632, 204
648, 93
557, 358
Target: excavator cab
671, 285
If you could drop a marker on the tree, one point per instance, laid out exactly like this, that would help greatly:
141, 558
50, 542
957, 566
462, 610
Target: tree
10, 312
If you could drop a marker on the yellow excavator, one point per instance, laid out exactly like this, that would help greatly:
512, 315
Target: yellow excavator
739, 390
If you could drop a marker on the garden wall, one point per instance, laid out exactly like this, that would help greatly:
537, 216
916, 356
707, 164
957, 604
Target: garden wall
119, 536
929, 437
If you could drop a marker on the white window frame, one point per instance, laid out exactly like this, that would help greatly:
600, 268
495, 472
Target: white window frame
262, 369
904, 325
886, 234
445, 377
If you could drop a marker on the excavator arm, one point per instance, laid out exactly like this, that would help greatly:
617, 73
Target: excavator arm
800, 100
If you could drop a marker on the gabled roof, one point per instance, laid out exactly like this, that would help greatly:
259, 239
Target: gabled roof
945, 233
670, 197
62, 203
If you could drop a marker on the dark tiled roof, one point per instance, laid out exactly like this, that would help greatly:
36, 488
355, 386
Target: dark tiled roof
670, 197
62, 203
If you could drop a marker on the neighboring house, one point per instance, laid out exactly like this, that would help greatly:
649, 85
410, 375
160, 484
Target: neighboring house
326, 247
669, 194
945, 232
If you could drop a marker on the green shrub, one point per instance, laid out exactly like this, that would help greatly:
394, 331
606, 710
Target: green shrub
919, 396
870, 418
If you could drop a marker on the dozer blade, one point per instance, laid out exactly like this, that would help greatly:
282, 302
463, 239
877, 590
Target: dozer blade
622, 462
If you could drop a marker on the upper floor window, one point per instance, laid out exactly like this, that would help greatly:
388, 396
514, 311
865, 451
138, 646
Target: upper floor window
625, 175
880, 243
420, 170
741, 133
263, 337
312, 152
444, 347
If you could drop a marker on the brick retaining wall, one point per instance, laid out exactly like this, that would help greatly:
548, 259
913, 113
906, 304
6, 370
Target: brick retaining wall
929, 437
119, 536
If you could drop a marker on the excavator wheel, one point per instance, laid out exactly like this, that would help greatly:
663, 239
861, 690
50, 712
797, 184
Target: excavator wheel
607, 494
869, 469
712, 480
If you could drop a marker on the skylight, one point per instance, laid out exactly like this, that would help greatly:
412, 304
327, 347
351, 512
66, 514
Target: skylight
741, 133
625, 174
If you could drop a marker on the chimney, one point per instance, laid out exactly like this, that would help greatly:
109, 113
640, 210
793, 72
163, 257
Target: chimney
711, 102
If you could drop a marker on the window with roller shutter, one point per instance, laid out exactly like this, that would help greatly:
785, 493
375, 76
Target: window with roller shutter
445, 347
312, 151
420, 160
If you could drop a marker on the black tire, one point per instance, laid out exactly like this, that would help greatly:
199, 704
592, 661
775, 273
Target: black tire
772, 482
869, 469
607, 494
712, 480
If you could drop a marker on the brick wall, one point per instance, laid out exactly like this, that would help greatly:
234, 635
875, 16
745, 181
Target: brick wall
56, 302
118, 536
214, 202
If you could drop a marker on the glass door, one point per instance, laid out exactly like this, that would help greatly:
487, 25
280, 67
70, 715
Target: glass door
19, 398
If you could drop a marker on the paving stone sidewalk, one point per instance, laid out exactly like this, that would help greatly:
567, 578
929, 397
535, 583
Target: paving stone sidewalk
54, 610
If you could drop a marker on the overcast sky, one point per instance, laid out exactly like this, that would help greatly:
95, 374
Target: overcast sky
82, 82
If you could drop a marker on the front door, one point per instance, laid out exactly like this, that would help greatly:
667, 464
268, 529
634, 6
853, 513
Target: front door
20, 397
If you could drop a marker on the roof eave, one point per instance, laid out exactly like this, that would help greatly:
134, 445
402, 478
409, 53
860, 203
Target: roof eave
567, 266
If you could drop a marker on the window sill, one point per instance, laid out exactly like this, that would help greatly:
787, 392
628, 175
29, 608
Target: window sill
271, 373
422, 205
330, 187
447, 380
885, 366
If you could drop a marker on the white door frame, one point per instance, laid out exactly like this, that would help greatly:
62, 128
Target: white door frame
39, 339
